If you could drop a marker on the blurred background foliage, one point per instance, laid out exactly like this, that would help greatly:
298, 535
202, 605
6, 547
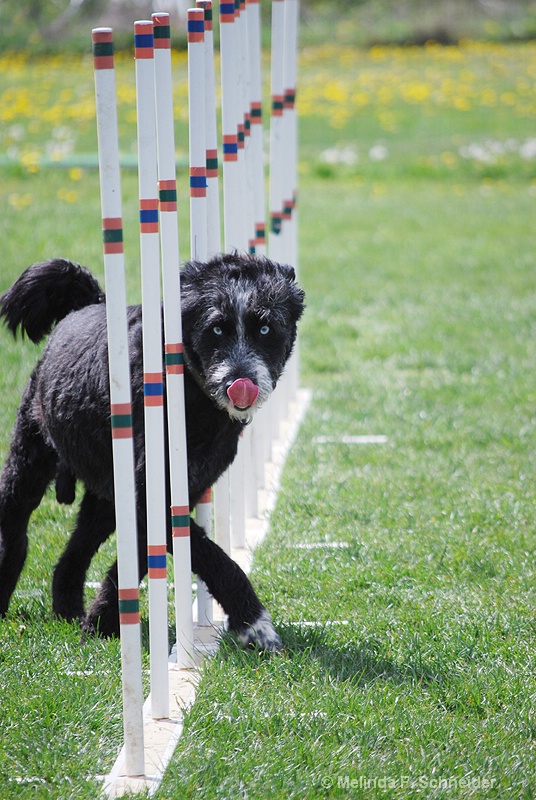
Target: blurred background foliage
58, 25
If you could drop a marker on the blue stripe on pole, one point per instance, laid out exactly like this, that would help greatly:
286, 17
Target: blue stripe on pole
198, 182
196, 26
143, 40
230, 147
153, 389
156, 562
227, 8
149, 215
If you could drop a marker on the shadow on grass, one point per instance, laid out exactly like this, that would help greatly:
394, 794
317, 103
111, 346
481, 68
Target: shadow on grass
358, 663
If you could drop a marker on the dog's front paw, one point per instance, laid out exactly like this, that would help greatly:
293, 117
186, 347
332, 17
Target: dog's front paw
261, 634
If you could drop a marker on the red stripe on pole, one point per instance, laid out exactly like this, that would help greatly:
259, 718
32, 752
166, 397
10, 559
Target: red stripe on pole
121, 433
178, 511
196, 25
290, 98
152, 226
206, 497
156, 550
153, 389
156, 572
212, 158
181, 531
255, 115
112, 228
161, 21
278, 102
103, 48
121, 408
180, 516
230, 153
206, 5
198, 181
174, 359
168, 195
129, 594
129, 597
228, 11
143, 40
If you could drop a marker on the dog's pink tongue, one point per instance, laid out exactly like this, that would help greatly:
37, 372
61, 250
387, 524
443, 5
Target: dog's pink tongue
243, 393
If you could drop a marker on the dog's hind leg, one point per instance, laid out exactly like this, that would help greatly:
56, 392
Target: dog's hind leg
29, 468
102, 617
231, 587
95, 523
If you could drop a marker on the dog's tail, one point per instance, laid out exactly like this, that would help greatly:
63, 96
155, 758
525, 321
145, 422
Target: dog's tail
44, 294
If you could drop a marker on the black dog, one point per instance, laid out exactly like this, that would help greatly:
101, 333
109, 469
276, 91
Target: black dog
239, 325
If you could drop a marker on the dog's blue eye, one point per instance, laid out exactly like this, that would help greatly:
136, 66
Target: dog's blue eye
217, 330
265, 329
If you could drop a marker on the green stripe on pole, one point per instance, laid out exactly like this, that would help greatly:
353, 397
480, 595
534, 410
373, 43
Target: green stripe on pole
180, 521
112, 235
129, 606
121, 420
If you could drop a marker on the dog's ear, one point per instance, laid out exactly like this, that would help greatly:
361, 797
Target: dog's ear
295, 294
288, 271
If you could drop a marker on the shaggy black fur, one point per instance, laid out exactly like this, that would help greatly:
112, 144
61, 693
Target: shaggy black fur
239, 322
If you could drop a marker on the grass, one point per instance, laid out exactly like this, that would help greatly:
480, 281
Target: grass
408, 668
425, 341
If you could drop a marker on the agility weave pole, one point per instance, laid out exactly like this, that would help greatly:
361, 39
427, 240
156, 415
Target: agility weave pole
152, 367
174, 358
151, 730
120, 401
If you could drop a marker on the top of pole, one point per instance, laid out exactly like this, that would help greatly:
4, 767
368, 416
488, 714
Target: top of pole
206, 5
143, 39
196, 25
162, 30
227, 12
103, 48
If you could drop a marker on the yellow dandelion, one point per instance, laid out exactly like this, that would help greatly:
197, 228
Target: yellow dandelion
76, 173
67, 195
30, 160
19, 201
449, 158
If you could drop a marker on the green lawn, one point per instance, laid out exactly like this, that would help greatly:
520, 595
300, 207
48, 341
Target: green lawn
409, 663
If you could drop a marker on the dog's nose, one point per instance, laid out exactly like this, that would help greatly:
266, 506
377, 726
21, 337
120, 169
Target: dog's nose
242, 393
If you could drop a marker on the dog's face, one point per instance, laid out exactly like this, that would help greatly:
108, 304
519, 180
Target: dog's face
239, 316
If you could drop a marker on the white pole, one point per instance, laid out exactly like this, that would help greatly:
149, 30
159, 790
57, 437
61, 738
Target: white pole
120, 401
256, 161
244, 126
234, 215
152, 368
290, 221
203, 516
290, 124
277, 142
277, 405
198, 150
211, 136
221, 517
199, 222
256, 184
174, 359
